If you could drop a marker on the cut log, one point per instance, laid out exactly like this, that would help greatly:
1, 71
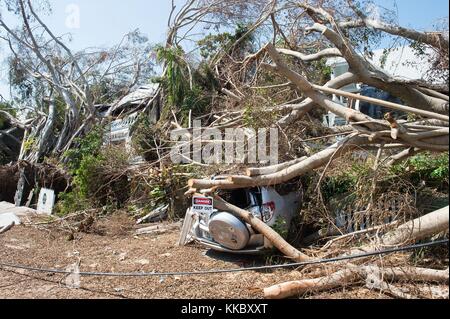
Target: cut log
262, 228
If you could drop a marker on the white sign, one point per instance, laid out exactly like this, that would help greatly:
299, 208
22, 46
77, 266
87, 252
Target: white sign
202, 205
46, 201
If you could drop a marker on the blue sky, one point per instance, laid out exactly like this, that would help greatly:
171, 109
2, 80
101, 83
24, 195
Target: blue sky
104, 22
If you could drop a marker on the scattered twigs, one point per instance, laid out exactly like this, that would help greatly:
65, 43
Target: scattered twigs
356, 233
157, 229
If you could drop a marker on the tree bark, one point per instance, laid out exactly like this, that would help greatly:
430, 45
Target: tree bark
418, 229
318, 160
351, 276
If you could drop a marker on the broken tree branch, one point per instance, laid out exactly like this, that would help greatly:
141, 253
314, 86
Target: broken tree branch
390, 105
351, 276
251, 172
285, 175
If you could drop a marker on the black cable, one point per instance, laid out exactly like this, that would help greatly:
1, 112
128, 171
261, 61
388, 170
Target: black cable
221, 271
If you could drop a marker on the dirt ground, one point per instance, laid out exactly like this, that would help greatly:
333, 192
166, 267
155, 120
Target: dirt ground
118, 250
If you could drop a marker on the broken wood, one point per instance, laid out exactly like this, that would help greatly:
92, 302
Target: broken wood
157, 229
251, 172
315, 161
352, 275
389, 105
420, 228
157, 215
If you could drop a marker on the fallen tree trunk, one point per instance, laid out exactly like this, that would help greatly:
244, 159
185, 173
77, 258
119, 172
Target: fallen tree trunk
353, 275
418, 229
412, 231
251, 172
317, 160
299, 287
262, 228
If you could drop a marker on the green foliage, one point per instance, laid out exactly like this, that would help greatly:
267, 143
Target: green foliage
281, 227
100, 178
98, 175
167, 187
256, 117
187, 88
29, 144
70, 202
323, 71
212, 44
426, 167
89, 145
98, 182
144, 138
176, 75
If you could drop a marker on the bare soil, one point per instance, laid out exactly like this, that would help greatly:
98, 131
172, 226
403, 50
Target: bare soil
116, 249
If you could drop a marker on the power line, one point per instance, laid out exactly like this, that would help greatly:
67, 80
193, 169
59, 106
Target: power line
221, 271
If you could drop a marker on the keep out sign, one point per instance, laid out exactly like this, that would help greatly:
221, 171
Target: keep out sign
203, 205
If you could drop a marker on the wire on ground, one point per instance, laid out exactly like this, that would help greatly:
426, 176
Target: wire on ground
221, 271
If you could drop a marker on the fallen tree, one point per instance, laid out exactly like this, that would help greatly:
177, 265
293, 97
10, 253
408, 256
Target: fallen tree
423, 227
354, 275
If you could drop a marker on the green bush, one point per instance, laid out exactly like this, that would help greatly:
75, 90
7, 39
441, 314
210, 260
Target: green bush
89, 145
345, 182
426, 167
99, 180
70, 202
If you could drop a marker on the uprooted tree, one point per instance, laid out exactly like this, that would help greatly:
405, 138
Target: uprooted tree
262, 64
